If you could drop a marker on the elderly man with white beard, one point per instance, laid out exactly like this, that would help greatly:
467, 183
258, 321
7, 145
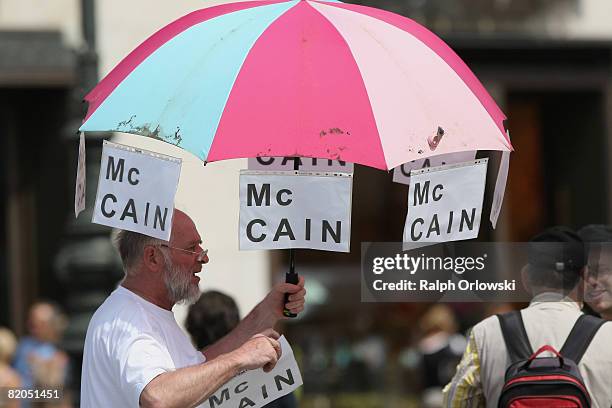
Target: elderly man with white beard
135, 353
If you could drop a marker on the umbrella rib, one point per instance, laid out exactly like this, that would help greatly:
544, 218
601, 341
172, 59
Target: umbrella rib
409, 79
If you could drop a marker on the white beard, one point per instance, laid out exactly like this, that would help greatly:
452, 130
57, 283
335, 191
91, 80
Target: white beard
178, 283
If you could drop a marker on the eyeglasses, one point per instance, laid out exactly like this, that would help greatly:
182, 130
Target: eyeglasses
199, 254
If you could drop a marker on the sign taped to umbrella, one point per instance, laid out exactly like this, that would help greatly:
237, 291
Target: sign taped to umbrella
445, 203
80, 187
303, 164
401, 174
500, 187
280, 210
136, 190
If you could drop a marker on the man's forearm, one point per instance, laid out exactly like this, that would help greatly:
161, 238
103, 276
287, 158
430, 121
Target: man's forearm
257, 321
189, 386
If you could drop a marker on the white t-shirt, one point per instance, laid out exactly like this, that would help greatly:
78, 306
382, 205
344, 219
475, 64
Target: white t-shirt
129, 342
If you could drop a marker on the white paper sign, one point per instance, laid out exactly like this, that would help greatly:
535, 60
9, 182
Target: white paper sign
445, 203
500, 188
256, 388
304, 164
136, 190
283, 210
79, 190
401, 174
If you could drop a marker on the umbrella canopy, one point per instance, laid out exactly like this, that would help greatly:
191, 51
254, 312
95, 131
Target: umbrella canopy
299, 78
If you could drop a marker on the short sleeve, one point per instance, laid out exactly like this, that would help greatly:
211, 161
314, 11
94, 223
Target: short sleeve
140, 361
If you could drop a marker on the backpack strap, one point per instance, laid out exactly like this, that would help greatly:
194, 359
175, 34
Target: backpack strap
580, 337
515, 336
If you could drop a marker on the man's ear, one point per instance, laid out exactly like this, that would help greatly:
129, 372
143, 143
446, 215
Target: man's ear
152, 259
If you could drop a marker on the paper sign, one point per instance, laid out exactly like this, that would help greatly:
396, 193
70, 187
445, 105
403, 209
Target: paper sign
256, 388
288, 210
79, 190
304, 164
445, 203
136, 190
500, 188
401, 174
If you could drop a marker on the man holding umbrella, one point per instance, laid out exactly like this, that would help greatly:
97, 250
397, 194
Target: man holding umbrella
136, 354
205, 83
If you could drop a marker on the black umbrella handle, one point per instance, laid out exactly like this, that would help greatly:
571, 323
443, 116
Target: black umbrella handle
293, 278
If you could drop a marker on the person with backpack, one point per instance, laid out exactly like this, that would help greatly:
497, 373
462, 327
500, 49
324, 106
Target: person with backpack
546, 355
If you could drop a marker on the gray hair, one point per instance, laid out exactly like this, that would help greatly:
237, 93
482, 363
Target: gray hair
130, 246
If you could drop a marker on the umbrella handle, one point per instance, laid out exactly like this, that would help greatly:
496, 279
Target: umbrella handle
293, 278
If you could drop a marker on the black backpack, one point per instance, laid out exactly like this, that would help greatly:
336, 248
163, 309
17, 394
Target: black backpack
545, 381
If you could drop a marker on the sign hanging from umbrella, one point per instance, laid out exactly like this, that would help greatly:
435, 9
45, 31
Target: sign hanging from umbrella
284, 209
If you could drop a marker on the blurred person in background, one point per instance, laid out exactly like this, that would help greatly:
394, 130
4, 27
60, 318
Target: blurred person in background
9, 378
552, 276
598, 280
38, 359
212, 317
436, 354
440, 350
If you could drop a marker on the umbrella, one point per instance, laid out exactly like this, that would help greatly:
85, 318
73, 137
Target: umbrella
300, 78
319, 79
